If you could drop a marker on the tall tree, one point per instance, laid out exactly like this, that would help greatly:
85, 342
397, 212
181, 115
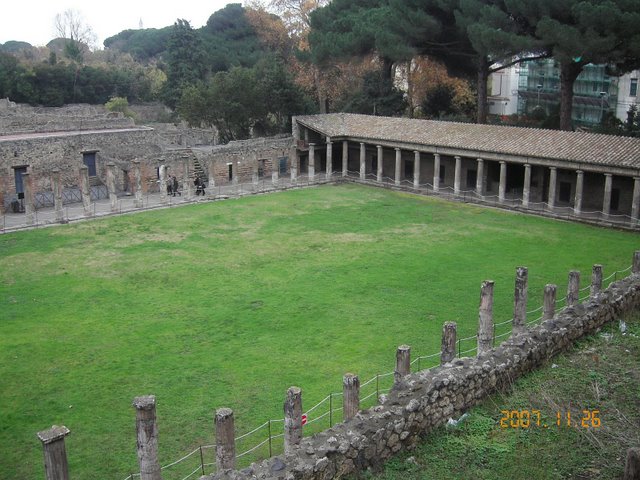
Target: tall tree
80, 37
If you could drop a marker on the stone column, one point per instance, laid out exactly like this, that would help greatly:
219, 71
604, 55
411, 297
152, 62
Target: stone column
577, 208
234, 171
345, 157
553, 177
380, 169
329, 159
502, 189
573, 289
29, 206
549, 302
520, 301
485, 320
635, 266
526, 188
162, 172
137, 177
480, 178
436, 172
292, 419
398, 165
255, 174
225, 440
294, 164
416, 169
186, 179
275, 171
147, 432
363, 164
312, 162
57, 194
86, 192
56, 466
403, 362
350, 396
448, 348
212, 178
456, 177
606, 202
596, 280
635, 202
111, 186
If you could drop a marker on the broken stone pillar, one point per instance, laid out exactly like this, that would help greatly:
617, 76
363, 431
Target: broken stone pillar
549, 302
345, 157
275, 173
111, 186
519, 324
636, 262
553, 177
448, 349
162, 172
456, 175
350, 396
292, 419
485, 317
577, 206
255, 174
632, 465
398, 171
187, 183
502, 189
436, 172
212, 177
225, 440
312, 162
56, 466
596, 280
137, 199
416, 169
57, 194
480, 178
573, 289
329, 160
526, 188
403, 362
147, 441
379, 169
363, 163
606, 202
85, 190
29, 206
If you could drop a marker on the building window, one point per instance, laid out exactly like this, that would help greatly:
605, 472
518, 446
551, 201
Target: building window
633, 87
261, 167
89, 159
283, 165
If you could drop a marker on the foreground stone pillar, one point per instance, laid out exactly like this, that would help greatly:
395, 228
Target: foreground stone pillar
403, 362
502, 189
416, 169
635, 268
225, 440
363, 164
632, 465
137, 177
350, 396
553, 178
526, 188
312, 162
85, 190
345, 157
606, 202
292, 419
480, 178
56, 466
485, 317
147, 442
577, 208
448, 347
549, 302
596, 280
329, 159
436, 172
573, 289
635, 202
379, 169
162, 172
29, 206
398, 171
111, 187
57, 194
456, 177
519, 325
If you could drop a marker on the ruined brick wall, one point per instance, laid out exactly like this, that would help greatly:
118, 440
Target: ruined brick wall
427, 399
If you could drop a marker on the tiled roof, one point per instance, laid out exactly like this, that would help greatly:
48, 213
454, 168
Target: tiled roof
580, 147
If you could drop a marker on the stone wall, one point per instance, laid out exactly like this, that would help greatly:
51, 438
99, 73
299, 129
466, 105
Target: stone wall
425, 400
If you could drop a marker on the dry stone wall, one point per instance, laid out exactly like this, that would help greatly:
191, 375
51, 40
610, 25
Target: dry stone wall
425, 400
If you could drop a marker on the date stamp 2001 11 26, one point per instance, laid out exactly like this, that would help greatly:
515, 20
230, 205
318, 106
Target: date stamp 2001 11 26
532, 418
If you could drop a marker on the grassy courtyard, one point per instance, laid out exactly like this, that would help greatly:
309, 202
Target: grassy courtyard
230, 303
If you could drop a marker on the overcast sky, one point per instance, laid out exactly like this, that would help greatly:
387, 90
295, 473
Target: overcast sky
33, 20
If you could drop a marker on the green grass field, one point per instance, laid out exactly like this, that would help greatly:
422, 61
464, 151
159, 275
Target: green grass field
230, 303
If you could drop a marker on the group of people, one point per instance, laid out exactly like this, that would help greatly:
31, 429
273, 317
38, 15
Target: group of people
172, 186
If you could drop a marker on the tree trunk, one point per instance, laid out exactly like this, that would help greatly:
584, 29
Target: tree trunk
569, 71
322, 97
483, 78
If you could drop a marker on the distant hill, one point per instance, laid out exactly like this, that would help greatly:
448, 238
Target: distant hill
14, 46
